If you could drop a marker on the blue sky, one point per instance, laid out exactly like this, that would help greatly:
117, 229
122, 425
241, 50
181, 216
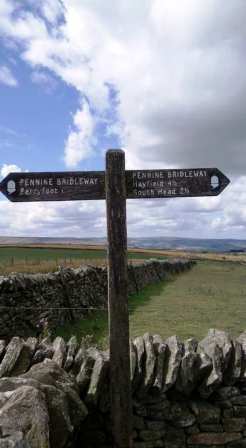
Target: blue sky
36, 117
163, 80
39, 121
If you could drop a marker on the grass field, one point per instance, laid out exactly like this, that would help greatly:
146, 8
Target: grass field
47, 259
211, 295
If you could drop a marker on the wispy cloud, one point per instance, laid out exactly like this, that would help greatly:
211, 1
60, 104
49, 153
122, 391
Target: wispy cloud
45, 80
7, 77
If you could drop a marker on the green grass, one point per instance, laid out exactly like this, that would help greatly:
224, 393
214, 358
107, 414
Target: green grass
8, 254
96, 326
43, 259
33, 254
211, 295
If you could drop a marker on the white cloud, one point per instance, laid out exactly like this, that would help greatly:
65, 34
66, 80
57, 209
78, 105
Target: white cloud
57, 219
79, 145
7, 77
217, 217
178, 70
5, 169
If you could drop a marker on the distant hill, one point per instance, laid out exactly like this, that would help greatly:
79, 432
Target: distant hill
19, 241
189, 244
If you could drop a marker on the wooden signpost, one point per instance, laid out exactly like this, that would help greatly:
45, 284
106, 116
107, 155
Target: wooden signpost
88, 185
115, 185
64, 186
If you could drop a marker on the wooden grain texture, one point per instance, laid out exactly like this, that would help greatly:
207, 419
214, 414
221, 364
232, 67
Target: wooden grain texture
121, 407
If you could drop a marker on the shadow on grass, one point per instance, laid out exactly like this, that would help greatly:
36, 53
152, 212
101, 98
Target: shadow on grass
95, 324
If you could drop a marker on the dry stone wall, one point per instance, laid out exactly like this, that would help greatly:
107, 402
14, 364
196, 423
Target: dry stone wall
66, 295
189, 394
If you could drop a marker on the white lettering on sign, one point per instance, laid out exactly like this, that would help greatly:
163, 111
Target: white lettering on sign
165, 183
69, 181
149, 174
36, 182
184, 190
38, 191
155, 193
56, 182
38, 187
186, 173
163, 175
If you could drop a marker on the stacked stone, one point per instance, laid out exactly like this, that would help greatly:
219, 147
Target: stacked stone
190, 394
40, 409
66, 295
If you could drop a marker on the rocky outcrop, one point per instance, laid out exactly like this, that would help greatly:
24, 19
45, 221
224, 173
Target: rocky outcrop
29, 302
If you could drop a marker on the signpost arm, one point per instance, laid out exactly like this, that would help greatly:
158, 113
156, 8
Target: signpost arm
121, 407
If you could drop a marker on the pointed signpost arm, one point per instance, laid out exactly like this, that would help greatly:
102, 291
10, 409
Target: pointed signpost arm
121, 407
119, 185
90, 185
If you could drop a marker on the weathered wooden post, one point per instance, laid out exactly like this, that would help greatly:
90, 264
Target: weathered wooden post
116, 186
120, 385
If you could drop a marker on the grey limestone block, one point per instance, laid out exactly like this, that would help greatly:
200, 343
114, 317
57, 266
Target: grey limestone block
25, 358
140, 350
133, 361
160, 363
189, 372
2, 347
218, 347
11, 356
150, 361
98, 378
72, 347
242, 340
173, 360
83, 377
59, 347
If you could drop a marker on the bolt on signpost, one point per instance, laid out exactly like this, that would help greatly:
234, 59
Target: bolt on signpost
116, 185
